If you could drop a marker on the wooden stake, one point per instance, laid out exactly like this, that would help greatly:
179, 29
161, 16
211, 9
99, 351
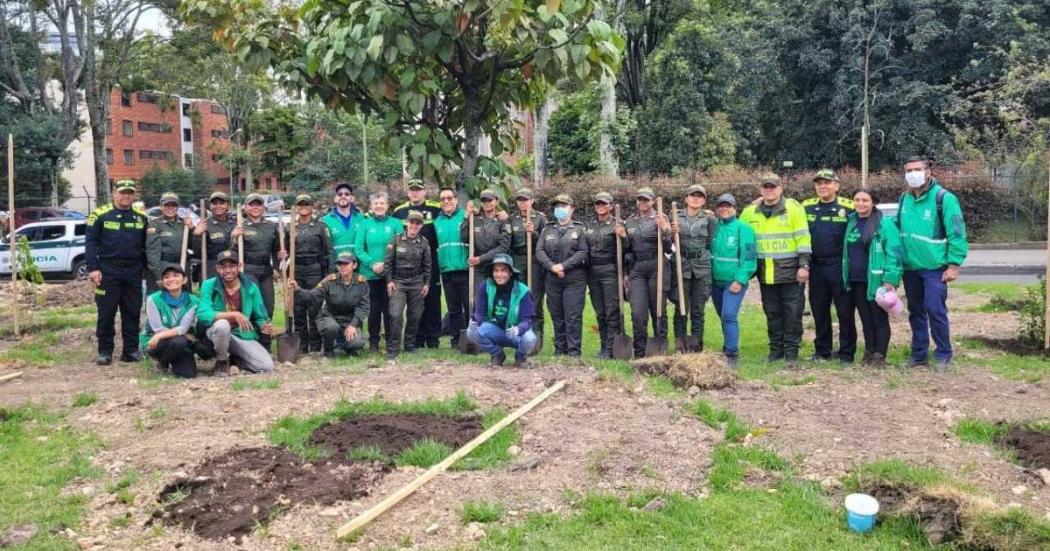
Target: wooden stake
393, 499
10, 376
12, 226
1046, 314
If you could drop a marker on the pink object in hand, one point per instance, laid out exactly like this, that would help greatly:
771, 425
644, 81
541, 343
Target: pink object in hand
889, 301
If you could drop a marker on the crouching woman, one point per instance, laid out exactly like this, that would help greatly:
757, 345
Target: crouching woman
167, 336
503, 314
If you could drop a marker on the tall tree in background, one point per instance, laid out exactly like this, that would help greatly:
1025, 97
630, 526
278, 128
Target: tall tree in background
646, 24
438, 74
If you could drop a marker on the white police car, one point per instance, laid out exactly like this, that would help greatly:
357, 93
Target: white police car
57, 247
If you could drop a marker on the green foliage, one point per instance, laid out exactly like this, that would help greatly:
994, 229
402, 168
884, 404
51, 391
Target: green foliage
575, 133
84, 399
40, 156
255, 384
480, 511
279, 136
335, 152
189, 185
424, 453
27, 269
977, 431
367, 453
1033, 315
731, 462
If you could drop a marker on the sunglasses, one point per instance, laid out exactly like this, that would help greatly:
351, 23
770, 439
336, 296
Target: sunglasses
769, 186
697, 194
596, 203
344, 194
487, 199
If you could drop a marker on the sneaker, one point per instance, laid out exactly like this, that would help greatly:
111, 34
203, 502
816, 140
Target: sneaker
497, 360
774, 357
104, 359
222, 368
731, 362
942, 366
817, 358
918, 363
131, 357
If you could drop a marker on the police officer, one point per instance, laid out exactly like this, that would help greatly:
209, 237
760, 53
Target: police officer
601, 272
164, 240
219, 229
491, 235
429, 331
345, 306
408, 273
563, 255
783, 243
312, 263
827, 214
115, 254
262, 252
640, 231
696, 228
520, 230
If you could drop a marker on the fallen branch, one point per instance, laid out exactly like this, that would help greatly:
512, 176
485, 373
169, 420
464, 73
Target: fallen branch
10, 376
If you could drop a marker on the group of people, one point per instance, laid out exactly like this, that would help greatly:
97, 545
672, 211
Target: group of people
389, 268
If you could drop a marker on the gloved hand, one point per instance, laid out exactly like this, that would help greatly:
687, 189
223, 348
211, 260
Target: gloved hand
512, 332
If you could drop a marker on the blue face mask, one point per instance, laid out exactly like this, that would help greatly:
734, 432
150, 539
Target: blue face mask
561, 213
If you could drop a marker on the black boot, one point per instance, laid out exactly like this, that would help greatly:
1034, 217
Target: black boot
133, 357
104, 358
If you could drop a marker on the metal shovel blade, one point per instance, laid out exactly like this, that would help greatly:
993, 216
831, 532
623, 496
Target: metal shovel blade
622, 347
466, 346
655, 346
288, 348
689, 343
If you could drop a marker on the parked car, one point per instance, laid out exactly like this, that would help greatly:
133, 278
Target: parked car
28, 215
57, 246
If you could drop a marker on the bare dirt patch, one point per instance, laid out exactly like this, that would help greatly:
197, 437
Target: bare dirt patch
392, 434
706, 370
228, 496
1031, 446
68, 295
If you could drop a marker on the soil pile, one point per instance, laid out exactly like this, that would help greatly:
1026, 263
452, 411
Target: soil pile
72, 294
938, 512
230, 495
1031, 446
394, 433
705, 370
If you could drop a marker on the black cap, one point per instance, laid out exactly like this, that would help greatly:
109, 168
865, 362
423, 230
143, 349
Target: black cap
173, 267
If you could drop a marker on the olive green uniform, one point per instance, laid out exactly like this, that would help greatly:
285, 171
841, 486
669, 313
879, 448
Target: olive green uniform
695, 234
566, 245
163, 247
640, 257
338, 305
519, 254
491, 237
219, 238
261, 245
313, 261
602, 280
408, 267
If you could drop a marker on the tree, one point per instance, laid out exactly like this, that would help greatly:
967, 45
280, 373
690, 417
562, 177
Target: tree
438, 75
646, 24
576, 129
189, 185
279, 136
336, 151
41, 154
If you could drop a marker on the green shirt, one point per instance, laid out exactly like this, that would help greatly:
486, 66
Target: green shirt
372, 237
213, 302
452, 250
733, 256
929, 241
342, 236
884, 254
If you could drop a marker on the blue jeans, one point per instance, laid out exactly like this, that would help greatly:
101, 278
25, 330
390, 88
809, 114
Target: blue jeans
493, 338
928, 314
727, 304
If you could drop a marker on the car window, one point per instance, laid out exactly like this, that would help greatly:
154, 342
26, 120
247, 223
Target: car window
80, 229
51, 233
31, 234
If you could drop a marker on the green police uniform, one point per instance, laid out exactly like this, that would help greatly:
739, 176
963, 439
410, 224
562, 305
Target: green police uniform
518, 253
313, 262
408, 267
696, 233
163, 247
339, 304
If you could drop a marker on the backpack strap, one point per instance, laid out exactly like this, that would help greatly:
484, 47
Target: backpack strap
938, 228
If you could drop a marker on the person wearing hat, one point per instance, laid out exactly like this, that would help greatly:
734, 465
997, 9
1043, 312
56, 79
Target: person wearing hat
491, 234
520, 231
164, 239
696, 229
262, 250
640, 233
784, 251
171, 313
562, 252
601, 272
343, 219
219, 229
115, 255
373, 235
428, 333
313, 262
733, 263
452, 262
504, 311
407, 276
827, 214
343, 304
231, 316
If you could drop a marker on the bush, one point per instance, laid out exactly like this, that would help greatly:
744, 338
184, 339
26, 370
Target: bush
1033, 315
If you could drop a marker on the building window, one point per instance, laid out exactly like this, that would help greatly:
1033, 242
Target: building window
143, 97
109, 156
129, 128
218, 110
220, 134
186, 109
125, 99
109, 127
129, 157
217, 158
187, 135
155, 127
156, 155
187, 160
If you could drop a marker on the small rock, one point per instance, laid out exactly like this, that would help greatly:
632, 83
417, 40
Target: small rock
432, 528
18, 535
514, 451
474, 531
657, 504
693, 391
330, 512
525, 463
1019, 490
1045, 475
87, 491
133, 402
944, 402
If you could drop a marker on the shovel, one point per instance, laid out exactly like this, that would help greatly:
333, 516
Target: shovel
204, 242
657, 345
287, 342
528, 273
682, 343
466, 346
622, 348
182, 258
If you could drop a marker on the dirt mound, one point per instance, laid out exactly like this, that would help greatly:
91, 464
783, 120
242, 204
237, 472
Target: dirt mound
939, 512
394, 433
1032, 446
706, 370
230, 495
1013, 345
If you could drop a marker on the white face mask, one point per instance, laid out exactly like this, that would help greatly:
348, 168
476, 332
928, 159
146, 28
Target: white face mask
915, 179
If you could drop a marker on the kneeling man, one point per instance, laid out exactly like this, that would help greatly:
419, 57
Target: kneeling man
231, 315
504, 311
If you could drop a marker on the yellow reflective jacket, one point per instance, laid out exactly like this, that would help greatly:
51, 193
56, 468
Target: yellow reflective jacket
782, 239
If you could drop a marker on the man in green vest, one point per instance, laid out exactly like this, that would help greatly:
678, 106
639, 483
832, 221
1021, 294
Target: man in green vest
503, 314
231, 314
342, 221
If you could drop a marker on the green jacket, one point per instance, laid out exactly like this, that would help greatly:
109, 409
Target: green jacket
166, 314
931, 242
517, 294
370, 242
884, 254
733, 253
452, 250
213, 301
342, 236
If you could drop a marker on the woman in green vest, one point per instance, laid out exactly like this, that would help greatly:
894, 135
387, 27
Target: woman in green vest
170, 315
370, 242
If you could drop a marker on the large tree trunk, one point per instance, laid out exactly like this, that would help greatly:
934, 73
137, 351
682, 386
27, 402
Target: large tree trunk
95, 95
610, 163
539, 141
472, 136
